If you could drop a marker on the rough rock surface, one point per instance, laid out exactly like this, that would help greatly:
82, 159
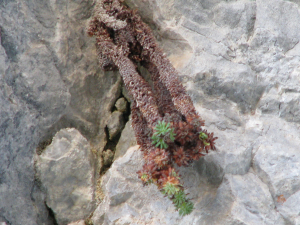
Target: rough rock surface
126, 140
115, 124
121, 105
80, 222
240, 62
108, 156
49, 80
66, 170
238, 200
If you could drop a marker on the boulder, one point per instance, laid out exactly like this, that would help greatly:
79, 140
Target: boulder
66, 170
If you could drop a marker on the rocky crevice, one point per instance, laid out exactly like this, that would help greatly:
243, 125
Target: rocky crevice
119, 117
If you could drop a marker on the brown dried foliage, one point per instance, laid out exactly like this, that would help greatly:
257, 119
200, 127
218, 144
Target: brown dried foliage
124, 42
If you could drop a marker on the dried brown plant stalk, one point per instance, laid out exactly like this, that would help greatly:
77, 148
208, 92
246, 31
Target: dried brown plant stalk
166, 124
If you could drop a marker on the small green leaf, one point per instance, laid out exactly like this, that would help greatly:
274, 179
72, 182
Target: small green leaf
144, 177
172, 135
206, 143
203, 136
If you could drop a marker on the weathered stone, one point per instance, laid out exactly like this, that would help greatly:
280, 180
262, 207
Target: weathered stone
66, 170
50, 79
80, 222
108, 156
125, 93
252, 202
290, 208
244, 80
276, 157
239, 61
239, 199
126, 140
121, 105
124, 196
115, 124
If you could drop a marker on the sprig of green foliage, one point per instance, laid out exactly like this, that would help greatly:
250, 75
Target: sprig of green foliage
186, 208
203, 136
170, 189
179, 198
162, 130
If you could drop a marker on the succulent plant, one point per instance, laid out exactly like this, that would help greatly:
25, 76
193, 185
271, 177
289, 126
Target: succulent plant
179, 198
186, 208
163, 131
165, 121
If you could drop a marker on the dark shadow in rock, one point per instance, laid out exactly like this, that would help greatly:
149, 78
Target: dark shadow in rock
92, 100
8, 45
51, 216
210, 170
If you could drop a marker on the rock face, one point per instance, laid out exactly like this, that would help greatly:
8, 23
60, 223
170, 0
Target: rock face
240, 62
238, 200
126, 140
115, 124
66, 170
49, 80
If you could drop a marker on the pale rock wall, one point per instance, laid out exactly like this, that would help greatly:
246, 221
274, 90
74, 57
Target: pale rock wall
49, 80
240, 62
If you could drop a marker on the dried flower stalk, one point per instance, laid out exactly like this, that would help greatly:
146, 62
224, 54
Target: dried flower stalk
166, 124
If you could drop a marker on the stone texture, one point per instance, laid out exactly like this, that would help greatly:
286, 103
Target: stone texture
240, 65
252, 202
80, 222
121, 105
276, 158
290, 209
240, 199
239, 61
126, 140
66, 170
115, 124
108, 156
50, 79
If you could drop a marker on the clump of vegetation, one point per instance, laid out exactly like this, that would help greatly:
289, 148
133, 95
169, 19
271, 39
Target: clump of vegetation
166, 124
163, 132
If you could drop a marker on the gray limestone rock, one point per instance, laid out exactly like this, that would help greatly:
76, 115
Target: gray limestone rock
246, 200
50, 79
239, 61
66, 169
126, 140
290, 208
80, 222
121, 105
115, 124
243, 76
239, 199
277, 158
108, 156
